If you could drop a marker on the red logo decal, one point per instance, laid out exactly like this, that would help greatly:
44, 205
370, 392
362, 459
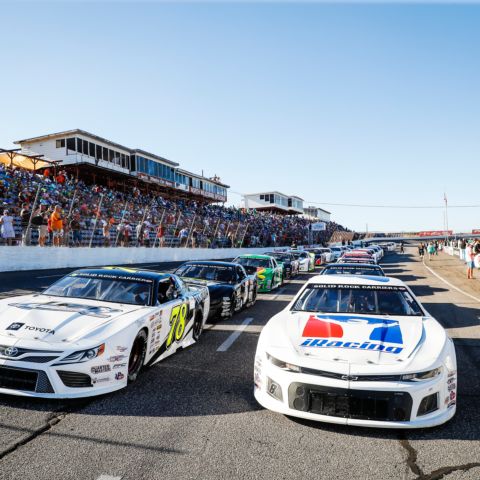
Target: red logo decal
319, 328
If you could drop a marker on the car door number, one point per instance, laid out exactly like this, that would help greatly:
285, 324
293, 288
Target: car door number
178, 319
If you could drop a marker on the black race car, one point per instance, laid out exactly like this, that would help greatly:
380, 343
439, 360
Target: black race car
289, 263
230, 287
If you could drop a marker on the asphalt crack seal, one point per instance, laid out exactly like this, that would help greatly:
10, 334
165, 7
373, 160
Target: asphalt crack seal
435, 474
411, 457
52, 420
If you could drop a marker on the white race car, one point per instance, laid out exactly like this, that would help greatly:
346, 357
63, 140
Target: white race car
359, 351
91, 332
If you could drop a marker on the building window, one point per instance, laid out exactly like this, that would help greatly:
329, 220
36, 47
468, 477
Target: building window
79, 145
91, 149
71, 144
60, 143
85, 147
99, 152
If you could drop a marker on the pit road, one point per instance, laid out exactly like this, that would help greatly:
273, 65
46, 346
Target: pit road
194, 415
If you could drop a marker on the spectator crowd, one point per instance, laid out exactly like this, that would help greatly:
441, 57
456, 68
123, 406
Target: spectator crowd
39, 209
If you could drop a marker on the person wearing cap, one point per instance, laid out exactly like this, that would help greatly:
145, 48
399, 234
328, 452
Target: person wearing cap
6, 227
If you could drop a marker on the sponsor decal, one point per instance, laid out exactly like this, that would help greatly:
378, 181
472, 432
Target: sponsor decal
15, 326
119, 365
450, 380
100, 369
453, 395
100, 380
39, 329
452, 386
116, 358
122, 349
18, 326
319, 329
106, 276
119, 376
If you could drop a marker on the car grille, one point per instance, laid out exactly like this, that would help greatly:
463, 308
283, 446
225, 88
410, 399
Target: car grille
75, 379
37, 359
348, 403
21, 351
352, 378
26, 380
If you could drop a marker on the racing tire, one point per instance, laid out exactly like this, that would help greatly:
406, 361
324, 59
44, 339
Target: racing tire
233, 306
197, 325
254, 297
137, 355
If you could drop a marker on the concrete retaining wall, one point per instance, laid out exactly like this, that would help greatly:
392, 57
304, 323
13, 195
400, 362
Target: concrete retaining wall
36, 258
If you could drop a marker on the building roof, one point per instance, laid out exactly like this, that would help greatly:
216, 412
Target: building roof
78, 131
273, 191
317, 208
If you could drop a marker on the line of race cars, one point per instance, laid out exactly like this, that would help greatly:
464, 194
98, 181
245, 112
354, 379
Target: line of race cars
353, 346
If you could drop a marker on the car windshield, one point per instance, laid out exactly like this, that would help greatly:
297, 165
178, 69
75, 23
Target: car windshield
368, 299
253, 262
298, 254
216, 273
102, 288
351, 270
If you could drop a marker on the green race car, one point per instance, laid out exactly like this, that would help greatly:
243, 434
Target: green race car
269, 272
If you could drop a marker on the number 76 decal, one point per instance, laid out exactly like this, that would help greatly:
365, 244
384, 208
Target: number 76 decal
178, 319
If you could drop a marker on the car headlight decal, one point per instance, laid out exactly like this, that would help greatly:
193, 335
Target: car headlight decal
83, 355
283, 365
421, 376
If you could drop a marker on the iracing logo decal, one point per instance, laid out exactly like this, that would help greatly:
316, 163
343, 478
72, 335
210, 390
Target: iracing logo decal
325, 327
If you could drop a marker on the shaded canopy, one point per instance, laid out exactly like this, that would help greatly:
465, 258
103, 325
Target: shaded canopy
23, 161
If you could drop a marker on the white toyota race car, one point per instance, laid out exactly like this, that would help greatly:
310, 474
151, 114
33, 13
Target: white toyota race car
91, 332
359, 351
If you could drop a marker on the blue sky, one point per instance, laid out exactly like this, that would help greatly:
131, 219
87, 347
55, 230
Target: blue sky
338, 103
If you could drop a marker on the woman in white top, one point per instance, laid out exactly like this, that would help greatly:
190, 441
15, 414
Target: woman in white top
6, 227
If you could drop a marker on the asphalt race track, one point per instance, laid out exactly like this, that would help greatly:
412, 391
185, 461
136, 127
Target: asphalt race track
193, 416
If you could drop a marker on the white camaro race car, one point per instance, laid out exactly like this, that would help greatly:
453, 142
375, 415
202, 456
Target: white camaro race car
91, 332
359, 351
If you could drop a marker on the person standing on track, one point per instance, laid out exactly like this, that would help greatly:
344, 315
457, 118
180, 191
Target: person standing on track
430, 250
421, 250
402, 250
470, 260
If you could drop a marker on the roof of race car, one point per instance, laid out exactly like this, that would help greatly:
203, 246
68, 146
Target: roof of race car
355, 280
122, 272
213, 263
354, 265
254, 255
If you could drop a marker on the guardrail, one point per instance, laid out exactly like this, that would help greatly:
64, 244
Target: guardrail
35, 258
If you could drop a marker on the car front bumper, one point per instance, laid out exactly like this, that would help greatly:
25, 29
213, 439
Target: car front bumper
65, 381
365, 404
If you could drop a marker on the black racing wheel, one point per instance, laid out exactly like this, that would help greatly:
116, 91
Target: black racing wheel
197, 325
137, 355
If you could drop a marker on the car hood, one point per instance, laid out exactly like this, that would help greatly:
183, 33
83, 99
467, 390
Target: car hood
56, 319
355, 339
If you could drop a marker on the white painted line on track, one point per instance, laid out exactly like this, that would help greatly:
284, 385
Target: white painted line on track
234, 328
108, 477
231, 339
449, 284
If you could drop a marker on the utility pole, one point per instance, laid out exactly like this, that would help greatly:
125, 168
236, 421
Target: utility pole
446, 215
